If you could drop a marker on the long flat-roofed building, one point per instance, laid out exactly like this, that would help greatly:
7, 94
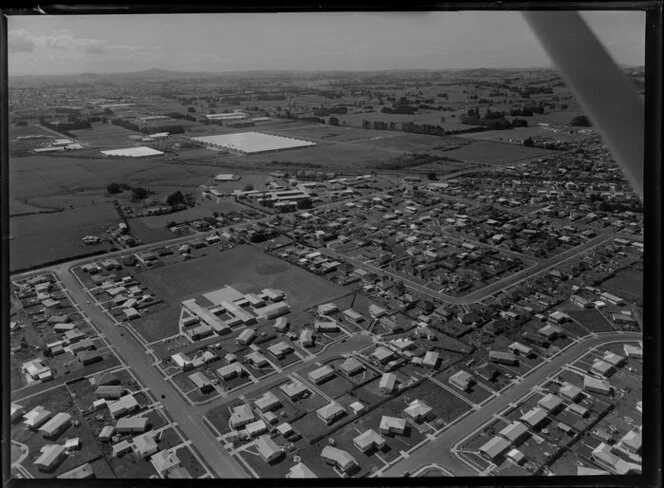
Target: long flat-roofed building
251, 142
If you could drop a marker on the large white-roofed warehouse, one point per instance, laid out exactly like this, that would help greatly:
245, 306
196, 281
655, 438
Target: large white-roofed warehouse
132, 152
251, 142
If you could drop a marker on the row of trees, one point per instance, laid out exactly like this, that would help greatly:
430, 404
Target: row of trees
336, 110
527, 111
491, 120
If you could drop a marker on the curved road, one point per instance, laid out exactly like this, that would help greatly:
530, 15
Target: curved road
439, 451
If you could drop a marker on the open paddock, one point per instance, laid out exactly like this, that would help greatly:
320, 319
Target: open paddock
40, 238
158, 324
241, 267
106, 136
487, 152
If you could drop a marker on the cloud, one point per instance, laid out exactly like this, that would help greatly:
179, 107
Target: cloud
63, 41
19, 41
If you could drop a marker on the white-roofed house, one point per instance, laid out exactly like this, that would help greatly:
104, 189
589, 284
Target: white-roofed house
392, 425
418, 411
56, 426
268, 449
330, 412
368, 440
462, 380
339, 458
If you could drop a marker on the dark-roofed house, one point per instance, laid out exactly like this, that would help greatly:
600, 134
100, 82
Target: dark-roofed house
109, 391
89, 357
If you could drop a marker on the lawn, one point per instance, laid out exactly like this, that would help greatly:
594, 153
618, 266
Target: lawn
159, 324
628, 280
56, 400
219, 416
591, 319
445, 404
242, 268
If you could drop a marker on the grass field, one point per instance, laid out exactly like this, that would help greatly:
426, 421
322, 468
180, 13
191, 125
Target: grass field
39, 238
628, 280
488, 152
105, 136
246, 270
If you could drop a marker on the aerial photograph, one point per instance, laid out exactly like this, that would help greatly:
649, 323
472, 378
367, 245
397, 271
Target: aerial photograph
320, 245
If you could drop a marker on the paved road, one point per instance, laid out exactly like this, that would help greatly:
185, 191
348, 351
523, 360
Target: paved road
487, 290
439, 451
134, 355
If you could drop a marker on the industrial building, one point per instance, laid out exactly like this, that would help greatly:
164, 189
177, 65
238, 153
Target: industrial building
251, 142
133, 152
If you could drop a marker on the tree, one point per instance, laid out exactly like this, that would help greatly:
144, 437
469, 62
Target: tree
432, 175
191, 110
175, 198
113, 188
528, 142
248, 187
334, 121
305, 203
139, 193
580, 121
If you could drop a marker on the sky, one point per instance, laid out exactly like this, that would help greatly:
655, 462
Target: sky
51, 45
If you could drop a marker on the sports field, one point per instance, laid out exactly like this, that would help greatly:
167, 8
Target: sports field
245, 269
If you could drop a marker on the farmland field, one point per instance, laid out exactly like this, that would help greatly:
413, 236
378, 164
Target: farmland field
41, 238
245, 269
495, 153
517, 135
105, 136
